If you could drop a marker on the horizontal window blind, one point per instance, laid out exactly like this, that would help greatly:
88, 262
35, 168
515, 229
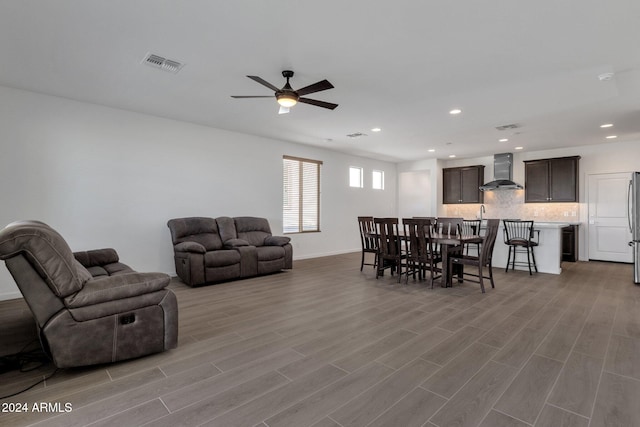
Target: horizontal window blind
301, 195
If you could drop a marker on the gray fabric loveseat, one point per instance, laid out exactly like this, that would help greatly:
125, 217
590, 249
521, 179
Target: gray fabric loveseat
89, 307
208, 250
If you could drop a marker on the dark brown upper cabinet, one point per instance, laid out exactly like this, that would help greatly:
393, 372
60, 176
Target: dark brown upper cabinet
462, 185
551, 180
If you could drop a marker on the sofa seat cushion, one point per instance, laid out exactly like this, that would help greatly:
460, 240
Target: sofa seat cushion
221, 258
112, 269
270, 253
111, 288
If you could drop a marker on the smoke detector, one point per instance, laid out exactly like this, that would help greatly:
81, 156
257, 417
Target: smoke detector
605, 77
157, 61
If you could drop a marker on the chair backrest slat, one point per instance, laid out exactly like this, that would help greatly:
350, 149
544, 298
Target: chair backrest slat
448, 225
417, 231
489, 240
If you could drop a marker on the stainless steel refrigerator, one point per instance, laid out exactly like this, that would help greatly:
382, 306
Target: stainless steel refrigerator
633, 204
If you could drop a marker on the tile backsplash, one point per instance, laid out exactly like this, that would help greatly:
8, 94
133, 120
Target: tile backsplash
510, 204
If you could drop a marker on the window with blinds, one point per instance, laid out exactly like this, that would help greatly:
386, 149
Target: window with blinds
301, 195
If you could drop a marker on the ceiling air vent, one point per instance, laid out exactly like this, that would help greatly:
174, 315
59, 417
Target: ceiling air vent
507, 127
356, 135
157, 61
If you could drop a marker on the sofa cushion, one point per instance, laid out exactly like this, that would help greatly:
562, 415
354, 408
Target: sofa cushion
270, 253
221, 258
227, 228
105, 289
252, 229
235, 243
196, 229
277, 240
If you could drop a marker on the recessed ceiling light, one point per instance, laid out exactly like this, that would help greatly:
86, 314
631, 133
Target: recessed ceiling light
606, 125
376, 130
452, 155
503, 140
518, 148
612, 136
431, 150
455, 111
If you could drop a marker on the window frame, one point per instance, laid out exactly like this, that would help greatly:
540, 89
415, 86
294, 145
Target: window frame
300, 193
361, 174
373, 181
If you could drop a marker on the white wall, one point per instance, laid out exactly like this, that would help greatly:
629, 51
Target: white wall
105, 177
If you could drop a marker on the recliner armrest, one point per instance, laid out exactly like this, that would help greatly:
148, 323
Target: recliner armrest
276, 240
97, 257
112, 288
235, 243
190, 247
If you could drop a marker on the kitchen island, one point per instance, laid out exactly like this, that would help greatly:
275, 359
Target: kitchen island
548, 253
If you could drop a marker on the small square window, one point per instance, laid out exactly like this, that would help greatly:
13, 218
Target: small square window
355, 177
377, 180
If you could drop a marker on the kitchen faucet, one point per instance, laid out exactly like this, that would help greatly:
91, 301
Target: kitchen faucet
482, 210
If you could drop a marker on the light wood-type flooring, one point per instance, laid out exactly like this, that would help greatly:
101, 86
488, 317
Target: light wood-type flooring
328, 345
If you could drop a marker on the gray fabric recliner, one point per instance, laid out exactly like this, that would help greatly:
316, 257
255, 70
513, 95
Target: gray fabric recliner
208, 250
89, 308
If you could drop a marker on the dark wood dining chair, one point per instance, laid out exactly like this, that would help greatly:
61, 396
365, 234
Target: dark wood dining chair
390, 254
448, 225
484, 258
368, 240
421, 250
471, 227
520, 237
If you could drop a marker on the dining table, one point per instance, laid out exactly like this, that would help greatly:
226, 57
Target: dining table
451, 244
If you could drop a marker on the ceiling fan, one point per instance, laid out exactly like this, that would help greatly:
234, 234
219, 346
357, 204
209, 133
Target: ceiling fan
287, 97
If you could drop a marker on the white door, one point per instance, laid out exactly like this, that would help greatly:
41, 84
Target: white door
609, 233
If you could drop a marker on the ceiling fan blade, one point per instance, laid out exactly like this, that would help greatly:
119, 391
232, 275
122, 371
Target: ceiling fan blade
283, 110
318, 103
316, 87
264, 83
242, 96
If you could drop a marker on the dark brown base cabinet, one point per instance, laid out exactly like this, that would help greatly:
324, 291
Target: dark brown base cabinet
551, 180
462, 185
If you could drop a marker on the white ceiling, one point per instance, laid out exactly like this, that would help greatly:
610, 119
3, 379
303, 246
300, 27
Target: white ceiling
400, 65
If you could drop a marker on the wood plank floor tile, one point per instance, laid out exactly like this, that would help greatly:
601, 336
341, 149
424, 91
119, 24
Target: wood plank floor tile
281, 398
217, 404
413, 410
454, 345
617, 402
519, 349
366, 407
526, 395
498, 419
318, 405
448, 380
369, 353
414, 348
136, 416
176, 400
503, 332
556, 417
623, 354
472, 403
576, 387
558, 344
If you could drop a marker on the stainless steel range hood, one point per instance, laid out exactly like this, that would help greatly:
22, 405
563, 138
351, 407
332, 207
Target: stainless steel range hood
502, 174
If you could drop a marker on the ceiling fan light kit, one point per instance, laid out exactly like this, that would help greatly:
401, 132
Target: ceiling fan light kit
287, 97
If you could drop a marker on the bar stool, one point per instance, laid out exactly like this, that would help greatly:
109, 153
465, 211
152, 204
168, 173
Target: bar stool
520, 237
